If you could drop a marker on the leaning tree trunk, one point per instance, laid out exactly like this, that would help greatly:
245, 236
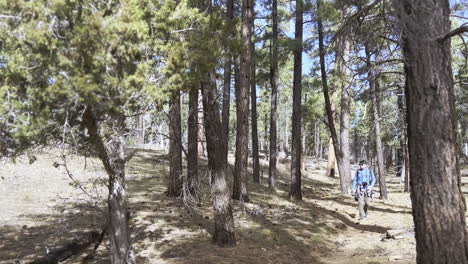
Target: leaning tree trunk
175, 182
328, 107
272, 171
374, 90
438, 201
295, 192
223, 219
242, 106
253, 102
192, 142
112, 155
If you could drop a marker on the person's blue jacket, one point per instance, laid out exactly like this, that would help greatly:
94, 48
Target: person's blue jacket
365, 175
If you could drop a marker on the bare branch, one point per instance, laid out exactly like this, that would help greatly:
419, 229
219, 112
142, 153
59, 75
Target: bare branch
10, 17
455, 32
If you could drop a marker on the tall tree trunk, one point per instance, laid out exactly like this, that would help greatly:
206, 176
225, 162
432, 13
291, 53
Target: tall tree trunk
265, 128
112, 155
140, 129
253, 101
407, 164
295, 192
374, 90
201, 128
174, 186
286, 130
223, 219
242, 106
345, 177
192, 139
316, 141
331, 159
438, 201
328, 108
227, 83
272, 171
400, 161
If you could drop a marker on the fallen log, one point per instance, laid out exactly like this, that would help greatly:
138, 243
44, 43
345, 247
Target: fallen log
398, 233
73, 248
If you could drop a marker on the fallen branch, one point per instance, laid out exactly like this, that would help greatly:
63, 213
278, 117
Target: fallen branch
398, 234
71, 249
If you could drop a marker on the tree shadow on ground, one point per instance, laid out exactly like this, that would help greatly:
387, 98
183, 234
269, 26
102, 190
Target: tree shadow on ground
46, 232
167, 230
371, 207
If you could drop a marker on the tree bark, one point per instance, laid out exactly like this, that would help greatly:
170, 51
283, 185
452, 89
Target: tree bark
223, 219
253, 101
437, 198
328, 108
295, 192
175, 182
140, 129
331, 159
227, 84
265, 134
400, 160
112, 155
201, 128
317, 141
242, 106
345, 177
272, 171
374, 90
192, 142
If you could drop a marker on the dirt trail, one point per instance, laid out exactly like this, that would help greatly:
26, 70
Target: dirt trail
320, 229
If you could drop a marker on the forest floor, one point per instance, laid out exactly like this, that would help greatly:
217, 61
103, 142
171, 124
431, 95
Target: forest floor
42, 208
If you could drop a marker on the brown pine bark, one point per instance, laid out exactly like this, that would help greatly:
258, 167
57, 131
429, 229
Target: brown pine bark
437, 198
175, 182
272, 171
112, 155
295, 192
223, 219
253, 101
242, 106
192, 142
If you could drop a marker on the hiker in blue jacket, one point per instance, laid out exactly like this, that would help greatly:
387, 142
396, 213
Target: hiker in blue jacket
362, 190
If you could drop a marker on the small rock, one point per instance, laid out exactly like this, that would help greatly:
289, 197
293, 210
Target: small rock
207, 217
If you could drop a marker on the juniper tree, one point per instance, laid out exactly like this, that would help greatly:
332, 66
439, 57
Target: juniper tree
78, 69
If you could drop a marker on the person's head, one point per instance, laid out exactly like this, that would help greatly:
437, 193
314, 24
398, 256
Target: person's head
362, 164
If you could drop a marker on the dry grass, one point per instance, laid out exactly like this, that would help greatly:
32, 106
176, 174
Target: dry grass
320, 229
